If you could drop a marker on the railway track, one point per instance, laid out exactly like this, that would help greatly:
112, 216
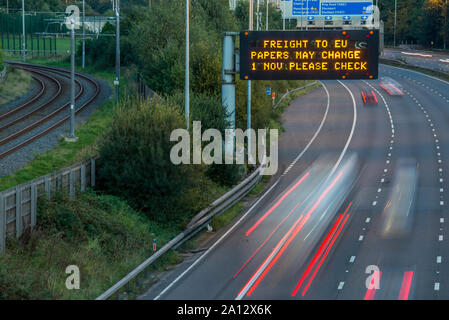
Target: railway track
43, 113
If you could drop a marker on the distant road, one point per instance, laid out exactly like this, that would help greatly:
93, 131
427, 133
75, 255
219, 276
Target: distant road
421, 58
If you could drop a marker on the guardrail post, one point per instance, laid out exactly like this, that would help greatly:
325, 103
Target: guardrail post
2, 223
92, 172
18, 212
72, 184
83, 177
33, 205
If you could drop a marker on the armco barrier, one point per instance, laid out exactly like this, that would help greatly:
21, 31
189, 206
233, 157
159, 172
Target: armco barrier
18, 205
197, 224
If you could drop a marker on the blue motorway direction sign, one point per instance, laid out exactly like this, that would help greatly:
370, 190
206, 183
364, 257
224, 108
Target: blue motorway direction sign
301, 5
268, 91
345, 8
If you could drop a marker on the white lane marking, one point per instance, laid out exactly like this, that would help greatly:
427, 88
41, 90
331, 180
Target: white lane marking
340, 285
316, 133
351, 260
439, 259
360, 237
436, 286
354, 122
440, 237
368, 220
216, 243
441, 220
374, 203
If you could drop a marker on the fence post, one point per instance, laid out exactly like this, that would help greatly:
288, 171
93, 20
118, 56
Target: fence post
33, 205
48, 187
18, 212
2, 223
83, 177
92, 172
72, 184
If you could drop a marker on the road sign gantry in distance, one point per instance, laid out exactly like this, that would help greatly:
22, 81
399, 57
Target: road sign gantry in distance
312, 54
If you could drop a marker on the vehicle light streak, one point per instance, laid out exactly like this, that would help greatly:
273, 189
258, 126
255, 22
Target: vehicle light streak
406, 285
324, 257
374, 95
320, 251
273, 252
250, 230
266, 240
370, 293
297, 227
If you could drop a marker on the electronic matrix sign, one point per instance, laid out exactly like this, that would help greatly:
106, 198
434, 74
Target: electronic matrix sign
312, 54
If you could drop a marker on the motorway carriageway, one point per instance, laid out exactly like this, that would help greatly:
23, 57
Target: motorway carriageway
315, 231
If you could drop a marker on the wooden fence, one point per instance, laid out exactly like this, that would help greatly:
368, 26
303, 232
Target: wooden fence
18, 205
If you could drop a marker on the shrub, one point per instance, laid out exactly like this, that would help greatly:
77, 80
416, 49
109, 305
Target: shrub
135, 159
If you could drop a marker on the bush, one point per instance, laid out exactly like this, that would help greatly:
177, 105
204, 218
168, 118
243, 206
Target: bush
135, 159
100, 234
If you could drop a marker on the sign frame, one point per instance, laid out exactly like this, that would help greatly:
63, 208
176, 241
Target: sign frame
253, 40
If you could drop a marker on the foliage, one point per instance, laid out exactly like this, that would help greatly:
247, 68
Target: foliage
135, 159
100, 234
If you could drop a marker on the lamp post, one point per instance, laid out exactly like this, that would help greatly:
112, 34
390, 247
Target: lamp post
266, 18
117, 50
248, 107
394, 29
187, 75
283, 16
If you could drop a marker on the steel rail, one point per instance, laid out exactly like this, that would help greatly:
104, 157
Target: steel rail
51, 115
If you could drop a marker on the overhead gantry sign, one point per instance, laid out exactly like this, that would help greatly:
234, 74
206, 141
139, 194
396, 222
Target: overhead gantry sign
312, 54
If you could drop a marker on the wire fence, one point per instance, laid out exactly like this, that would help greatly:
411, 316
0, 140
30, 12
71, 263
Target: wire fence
45, 33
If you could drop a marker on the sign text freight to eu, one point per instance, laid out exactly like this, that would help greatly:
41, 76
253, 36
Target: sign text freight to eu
278, 55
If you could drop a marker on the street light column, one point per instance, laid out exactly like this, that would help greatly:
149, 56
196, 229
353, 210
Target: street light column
187, 68
84, 42
117, 50
394, 29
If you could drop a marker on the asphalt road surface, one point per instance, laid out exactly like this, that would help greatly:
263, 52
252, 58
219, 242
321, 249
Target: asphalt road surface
316, 232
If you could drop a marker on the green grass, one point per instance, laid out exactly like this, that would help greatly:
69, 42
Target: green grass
16, 84
100, 234
62, 45
67, 153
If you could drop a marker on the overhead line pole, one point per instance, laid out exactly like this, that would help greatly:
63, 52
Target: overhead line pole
23, 31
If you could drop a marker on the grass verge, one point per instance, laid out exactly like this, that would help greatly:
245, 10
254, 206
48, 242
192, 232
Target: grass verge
16, 84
